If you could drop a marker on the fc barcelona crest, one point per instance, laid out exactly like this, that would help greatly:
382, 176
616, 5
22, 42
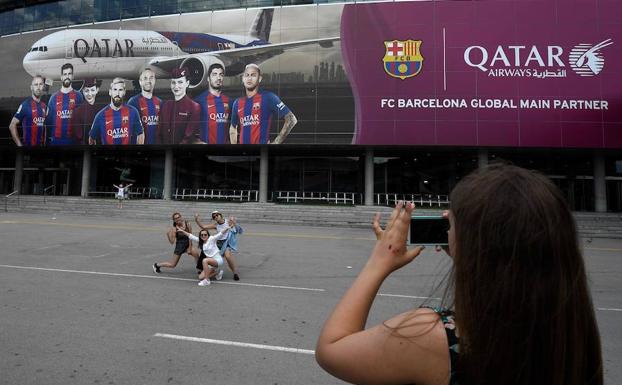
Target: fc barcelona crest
402, 58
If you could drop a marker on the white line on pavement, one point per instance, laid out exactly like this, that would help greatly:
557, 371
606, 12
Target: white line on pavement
608, 309
234, 343
157, 277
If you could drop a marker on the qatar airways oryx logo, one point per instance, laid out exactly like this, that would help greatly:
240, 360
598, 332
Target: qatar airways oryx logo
536, 61
586, 59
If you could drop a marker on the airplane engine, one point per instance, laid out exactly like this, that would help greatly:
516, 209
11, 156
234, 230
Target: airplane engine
197, 68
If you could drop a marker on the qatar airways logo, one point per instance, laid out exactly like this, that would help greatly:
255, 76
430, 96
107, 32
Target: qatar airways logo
38, 121
219, 117
587, 60
150, 120
64, 114
536, 61
250, 120
117, 133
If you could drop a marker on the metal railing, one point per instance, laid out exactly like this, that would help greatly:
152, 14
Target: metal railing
133, 192
6, 200
346, 198
207, 194
420, 200
45, 191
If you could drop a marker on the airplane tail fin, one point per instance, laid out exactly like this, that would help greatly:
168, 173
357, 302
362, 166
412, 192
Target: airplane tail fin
262, 24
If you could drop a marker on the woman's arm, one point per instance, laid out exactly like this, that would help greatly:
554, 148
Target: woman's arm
170, 234
384, 353
211, 226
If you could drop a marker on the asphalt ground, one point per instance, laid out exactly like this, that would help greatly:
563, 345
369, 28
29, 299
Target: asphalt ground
80, 304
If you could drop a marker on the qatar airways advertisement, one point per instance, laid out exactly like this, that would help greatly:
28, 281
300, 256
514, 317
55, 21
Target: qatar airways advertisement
486, 73
498, 73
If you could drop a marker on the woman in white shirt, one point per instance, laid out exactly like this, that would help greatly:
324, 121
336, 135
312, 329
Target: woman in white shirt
210, 254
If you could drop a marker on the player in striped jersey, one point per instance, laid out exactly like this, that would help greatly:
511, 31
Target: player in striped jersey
58, 122
31, 115
148, 105
214, 108
117, 123
254, 112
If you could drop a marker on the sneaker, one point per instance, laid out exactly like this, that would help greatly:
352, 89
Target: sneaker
205, 282
219, 275
156, 268
236, 277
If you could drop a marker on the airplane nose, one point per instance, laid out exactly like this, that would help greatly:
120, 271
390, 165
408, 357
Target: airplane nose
28, 64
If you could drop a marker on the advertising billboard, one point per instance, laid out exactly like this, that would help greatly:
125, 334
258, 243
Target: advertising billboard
543, 73
248, 76
486, 73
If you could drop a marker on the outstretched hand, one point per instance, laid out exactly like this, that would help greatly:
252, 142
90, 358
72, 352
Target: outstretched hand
390, 252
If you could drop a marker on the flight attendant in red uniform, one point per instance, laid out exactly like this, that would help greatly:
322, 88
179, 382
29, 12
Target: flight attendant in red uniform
180, 118
84, 115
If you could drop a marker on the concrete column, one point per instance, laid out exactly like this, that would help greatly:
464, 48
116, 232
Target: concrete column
263, 175
168, 174
482, 157
86, 173
369, 177
19, 171
600, 185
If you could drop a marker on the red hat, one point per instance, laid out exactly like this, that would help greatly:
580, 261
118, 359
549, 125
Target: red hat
179, 72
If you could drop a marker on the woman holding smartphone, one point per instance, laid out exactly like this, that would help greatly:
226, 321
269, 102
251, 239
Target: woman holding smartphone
518, 311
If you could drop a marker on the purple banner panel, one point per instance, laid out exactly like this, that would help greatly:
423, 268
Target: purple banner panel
544, 73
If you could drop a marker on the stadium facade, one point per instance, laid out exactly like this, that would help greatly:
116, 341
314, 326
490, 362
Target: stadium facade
372, 101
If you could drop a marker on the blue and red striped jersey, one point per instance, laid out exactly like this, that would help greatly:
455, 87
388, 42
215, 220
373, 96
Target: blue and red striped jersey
58, 121
116, 127
215, 111
31, 115
253, 116
149, 110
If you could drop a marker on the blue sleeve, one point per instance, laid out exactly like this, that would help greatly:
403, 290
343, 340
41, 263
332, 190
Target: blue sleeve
95, 127
50, 118
137, 127
133, 101
79, 98
276, 105
19, 114
234, 114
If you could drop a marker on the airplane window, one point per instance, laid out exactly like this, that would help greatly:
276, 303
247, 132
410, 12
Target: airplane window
41, 49
45, 48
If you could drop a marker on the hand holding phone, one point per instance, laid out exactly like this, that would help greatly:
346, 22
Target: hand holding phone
429, 230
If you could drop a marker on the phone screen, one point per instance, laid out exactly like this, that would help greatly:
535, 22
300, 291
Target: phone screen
428, 230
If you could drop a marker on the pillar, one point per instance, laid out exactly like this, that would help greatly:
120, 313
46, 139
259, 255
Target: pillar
86, 173
369, 177
263, 175
600, 185
19, 171
168, 174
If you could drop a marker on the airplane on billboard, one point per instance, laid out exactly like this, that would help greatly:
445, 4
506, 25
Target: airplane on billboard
108, 53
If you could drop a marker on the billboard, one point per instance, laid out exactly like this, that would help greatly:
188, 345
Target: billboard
248, 76
543, 73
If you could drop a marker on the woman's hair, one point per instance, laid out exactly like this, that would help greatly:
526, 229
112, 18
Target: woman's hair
522, 304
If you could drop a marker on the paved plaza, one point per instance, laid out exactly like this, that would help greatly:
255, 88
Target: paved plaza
81, 305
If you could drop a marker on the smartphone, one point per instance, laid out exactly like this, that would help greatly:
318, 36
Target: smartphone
428, 230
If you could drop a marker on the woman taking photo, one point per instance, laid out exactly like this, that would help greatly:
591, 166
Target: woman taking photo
519, 309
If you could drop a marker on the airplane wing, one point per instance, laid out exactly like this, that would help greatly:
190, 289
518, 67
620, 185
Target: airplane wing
236, 59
